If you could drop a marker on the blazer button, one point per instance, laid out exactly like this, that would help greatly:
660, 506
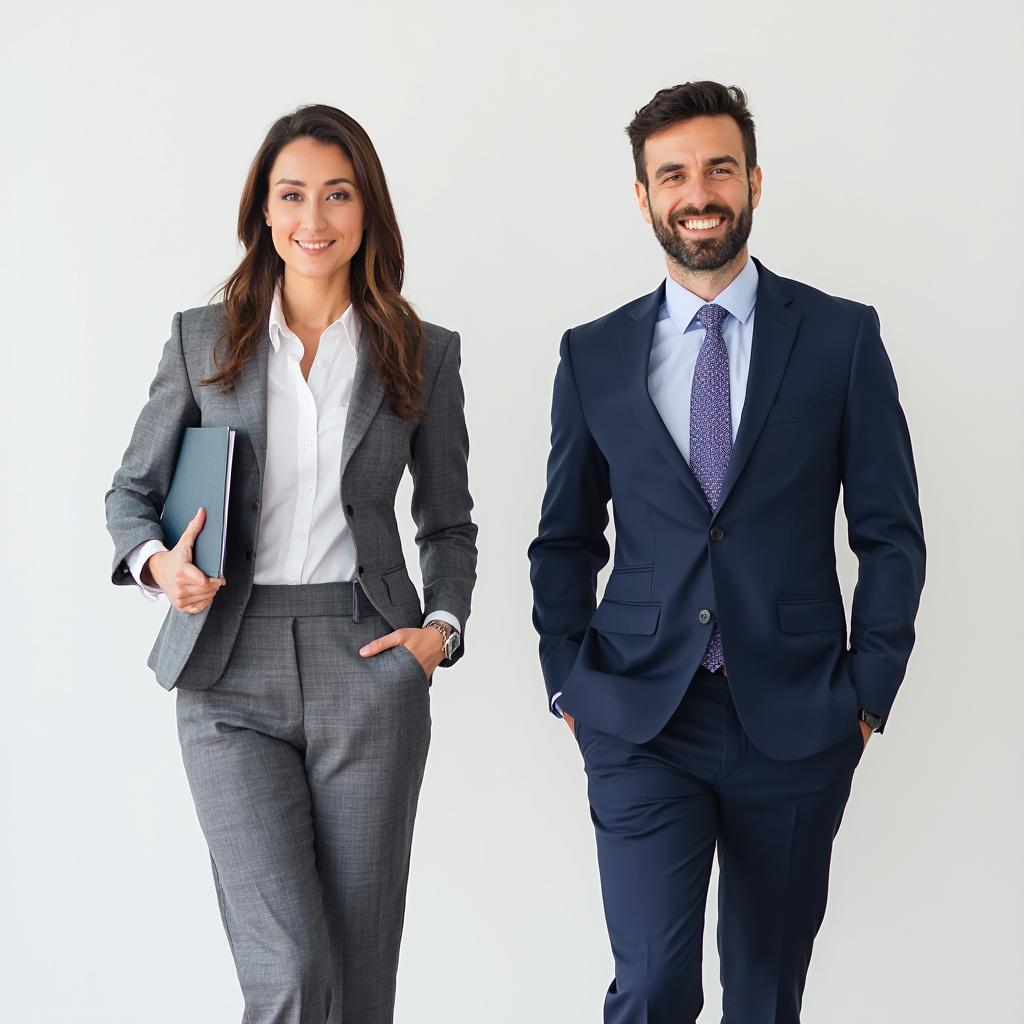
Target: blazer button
248, 555
717, 533
360, 570
255, 505
704, 617
348, 510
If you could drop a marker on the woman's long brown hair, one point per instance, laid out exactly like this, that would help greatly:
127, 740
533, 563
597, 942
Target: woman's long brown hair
377, 270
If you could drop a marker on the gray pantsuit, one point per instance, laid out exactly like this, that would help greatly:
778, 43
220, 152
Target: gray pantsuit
305, 760
305, 763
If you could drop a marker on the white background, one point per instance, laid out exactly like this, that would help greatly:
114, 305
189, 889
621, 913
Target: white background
890, 138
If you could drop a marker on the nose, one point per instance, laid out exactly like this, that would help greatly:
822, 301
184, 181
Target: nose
698, 193
313, 217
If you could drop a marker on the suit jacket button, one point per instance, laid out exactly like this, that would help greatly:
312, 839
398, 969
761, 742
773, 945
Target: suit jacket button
360, 570
717, 533
255, 505
348, 510
248, 555
704, 617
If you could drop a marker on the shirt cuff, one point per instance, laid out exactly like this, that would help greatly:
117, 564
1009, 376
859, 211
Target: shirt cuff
555, 706
136, 560
444, 617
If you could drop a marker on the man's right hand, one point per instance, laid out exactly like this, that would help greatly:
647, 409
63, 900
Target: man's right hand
570, 721
187, 587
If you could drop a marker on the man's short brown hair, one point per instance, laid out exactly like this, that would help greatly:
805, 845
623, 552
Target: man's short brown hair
683, 102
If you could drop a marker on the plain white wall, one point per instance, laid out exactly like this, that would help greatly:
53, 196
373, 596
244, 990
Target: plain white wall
890, 138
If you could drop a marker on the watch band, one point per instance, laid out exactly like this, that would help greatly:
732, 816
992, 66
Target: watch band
874, 721
450, 638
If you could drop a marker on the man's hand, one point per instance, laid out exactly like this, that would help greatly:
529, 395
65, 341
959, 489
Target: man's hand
866, 731
187, 587
426, 644
570, 721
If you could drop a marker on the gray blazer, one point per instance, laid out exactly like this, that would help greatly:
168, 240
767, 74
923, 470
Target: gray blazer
377, 447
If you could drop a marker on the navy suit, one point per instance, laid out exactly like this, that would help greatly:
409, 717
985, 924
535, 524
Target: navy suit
821, 411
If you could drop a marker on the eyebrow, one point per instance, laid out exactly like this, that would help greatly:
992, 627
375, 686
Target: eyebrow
710, 162
302, 184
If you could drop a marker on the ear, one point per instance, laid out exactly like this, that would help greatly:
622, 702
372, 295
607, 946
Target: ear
755, 188
643, 199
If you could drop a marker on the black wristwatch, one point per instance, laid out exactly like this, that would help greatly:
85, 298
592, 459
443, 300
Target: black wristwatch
874, 721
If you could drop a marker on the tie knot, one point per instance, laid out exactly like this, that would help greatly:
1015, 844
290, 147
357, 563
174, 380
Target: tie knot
711, 316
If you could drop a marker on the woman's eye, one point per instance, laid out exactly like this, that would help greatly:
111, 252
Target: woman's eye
287, 194
344, 195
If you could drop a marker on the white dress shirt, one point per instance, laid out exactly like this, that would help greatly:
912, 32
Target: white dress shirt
678, 336
303, 536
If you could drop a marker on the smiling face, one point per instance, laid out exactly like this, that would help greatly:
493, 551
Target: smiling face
314, 209
698, 197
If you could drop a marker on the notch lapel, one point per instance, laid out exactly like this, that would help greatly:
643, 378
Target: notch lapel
367, 395
251, 394
635, 349
775, 326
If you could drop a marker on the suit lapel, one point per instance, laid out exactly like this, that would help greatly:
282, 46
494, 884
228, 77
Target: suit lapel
775, 326
367, 395
251, 393
635, 349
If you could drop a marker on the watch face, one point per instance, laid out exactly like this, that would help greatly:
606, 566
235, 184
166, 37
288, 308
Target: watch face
451, 645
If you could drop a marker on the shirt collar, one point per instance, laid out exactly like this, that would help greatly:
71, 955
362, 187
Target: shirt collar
738, 298
349, 322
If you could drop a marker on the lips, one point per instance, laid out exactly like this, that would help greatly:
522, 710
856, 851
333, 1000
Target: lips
314, 245
702, 225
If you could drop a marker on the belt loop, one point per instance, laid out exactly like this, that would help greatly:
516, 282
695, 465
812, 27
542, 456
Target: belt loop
355, 601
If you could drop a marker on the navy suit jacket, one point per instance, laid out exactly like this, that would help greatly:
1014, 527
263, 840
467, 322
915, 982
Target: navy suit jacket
821, 411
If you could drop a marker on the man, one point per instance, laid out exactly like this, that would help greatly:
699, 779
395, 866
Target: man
712, 692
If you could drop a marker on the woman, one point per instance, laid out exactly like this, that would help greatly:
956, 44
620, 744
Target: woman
302, 674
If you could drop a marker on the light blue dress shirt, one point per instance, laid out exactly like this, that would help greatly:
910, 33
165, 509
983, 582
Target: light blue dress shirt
678, 336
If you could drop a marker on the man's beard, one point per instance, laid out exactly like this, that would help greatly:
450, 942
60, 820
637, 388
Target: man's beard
705, 253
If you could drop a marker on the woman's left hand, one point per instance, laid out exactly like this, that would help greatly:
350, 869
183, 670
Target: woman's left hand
426, 644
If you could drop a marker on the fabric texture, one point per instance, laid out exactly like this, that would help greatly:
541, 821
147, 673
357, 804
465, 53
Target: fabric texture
305, 762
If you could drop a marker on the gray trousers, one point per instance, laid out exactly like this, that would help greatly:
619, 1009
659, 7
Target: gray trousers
305, 762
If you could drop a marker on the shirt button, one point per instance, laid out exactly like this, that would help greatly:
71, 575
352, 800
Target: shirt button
704, 616
717, 533
309, 443
300, 534
309, 490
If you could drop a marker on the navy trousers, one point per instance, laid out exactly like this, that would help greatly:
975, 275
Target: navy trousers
660, 809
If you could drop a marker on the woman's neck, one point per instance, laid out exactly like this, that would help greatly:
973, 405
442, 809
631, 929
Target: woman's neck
314, 303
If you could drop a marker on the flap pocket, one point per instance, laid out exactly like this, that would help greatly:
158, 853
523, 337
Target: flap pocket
797, 412
398, 585
812, 616
617, 617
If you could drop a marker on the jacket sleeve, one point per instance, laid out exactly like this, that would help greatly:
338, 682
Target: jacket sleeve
441, 502
136, 495
880, 498
570, 548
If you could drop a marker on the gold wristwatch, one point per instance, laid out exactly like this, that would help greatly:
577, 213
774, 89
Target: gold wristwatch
450, 639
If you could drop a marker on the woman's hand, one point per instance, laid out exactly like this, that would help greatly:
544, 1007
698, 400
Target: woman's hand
187, 587
426, 644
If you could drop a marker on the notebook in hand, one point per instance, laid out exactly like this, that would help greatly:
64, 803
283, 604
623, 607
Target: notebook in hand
202, 476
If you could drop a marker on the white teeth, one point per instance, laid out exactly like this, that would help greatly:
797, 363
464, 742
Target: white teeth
702, 225
313, 245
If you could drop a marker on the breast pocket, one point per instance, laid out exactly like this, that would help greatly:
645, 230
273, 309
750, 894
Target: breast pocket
800, 412
812, 616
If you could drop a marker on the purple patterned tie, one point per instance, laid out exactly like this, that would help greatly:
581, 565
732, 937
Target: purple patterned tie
711, 430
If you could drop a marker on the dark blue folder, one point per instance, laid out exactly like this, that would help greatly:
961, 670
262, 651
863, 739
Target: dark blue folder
202, 476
